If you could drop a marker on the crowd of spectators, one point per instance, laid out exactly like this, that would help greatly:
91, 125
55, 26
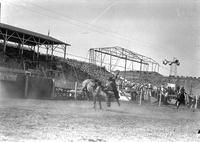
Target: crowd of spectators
92, 70
46, 67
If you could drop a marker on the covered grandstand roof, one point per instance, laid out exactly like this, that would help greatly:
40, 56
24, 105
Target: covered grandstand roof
15, 34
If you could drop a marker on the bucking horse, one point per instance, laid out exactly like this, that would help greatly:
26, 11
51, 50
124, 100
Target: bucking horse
95, 89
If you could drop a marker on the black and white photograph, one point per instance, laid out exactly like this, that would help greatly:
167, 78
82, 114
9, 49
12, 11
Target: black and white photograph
99, 70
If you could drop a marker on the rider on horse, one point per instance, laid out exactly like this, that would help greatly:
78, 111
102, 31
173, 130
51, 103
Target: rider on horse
112, 86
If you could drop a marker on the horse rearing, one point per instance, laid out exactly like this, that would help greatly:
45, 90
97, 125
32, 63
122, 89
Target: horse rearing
95, 89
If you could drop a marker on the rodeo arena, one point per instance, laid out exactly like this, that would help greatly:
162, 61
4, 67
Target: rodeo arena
113, 95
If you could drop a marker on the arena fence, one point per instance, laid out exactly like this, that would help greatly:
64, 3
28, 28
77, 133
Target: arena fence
67, 91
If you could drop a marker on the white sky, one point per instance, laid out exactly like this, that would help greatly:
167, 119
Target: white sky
160, 29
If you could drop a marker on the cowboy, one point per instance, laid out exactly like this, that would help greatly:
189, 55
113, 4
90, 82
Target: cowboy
111, 85
181, 97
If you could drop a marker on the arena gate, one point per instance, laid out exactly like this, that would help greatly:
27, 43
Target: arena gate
12, 85
18, 84
38, 87
48, 88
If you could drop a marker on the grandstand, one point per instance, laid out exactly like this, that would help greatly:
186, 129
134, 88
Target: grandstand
21, 53
20, 46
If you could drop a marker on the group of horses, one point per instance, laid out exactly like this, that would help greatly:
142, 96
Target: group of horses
98, 92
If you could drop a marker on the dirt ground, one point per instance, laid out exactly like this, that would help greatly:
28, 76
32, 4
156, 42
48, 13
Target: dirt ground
28, 120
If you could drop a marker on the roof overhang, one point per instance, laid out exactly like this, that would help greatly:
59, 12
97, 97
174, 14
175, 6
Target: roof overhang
26, 37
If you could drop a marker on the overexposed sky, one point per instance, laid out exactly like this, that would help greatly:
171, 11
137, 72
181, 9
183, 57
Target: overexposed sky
160, 29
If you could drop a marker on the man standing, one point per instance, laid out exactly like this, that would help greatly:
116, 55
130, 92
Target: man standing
181, 97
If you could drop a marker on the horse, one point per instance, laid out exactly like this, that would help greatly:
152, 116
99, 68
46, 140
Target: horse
87, 88
95, 89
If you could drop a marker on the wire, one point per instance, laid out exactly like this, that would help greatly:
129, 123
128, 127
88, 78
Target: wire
40, 13
110, 5
80, 24
90, 26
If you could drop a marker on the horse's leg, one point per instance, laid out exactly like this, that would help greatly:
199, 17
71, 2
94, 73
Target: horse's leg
100, 104
118, 101
132, 97
87, 96
142, 95
94, 102
135, 96
108, 101
178, 104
